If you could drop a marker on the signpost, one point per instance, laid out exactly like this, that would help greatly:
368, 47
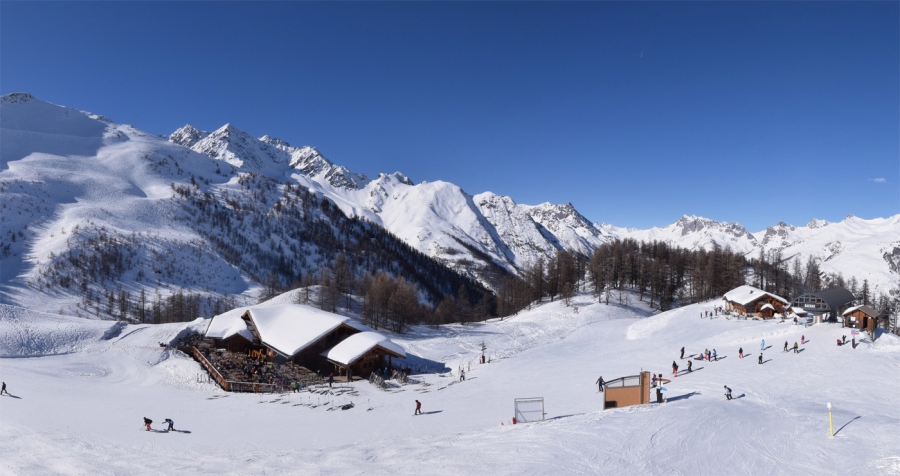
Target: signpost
830, 424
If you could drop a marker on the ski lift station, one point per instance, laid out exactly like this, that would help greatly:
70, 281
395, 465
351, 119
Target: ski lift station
825, 305
627, 391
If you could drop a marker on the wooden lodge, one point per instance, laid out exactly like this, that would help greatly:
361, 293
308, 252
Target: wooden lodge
861, 317
750, 301
304, 336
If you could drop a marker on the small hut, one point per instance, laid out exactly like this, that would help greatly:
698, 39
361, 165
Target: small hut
861, 317
627, 391
362, 353
751, 301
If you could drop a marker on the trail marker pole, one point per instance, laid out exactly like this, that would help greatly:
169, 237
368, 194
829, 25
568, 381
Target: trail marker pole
830, 424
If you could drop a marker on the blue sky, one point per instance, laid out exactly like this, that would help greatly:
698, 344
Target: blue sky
636, 113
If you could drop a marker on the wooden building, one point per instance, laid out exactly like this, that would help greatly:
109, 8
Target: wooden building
627, 391
362, 353
302, 335
750, 301
861, 317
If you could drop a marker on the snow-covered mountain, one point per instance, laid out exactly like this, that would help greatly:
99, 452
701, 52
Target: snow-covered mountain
475, 234
853, 247
83, 197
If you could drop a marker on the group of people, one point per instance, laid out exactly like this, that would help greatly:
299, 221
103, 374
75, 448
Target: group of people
148, 422
714, 312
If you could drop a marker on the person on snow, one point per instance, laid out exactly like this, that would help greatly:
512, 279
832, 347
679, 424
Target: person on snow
147, 422
674, 368
741, 353
803, 339
600, 382
171, 424
760, 358
462, 375
682, 353
715, 356
785, 346
689, 366
330, 379
3, 389
653, 381
762, 345
727, 393
418, 408
795, 348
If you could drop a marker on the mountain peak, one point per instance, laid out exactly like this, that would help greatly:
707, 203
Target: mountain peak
187, 136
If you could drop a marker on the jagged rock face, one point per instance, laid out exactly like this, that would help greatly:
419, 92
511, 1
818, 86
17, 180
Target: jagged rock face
17, 98
187, 136
241, 150
312, 163
893, 259
816, 223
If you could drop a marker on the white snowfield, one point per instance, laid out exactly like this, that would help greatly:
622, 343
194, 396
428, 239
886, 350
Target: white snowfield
80, 412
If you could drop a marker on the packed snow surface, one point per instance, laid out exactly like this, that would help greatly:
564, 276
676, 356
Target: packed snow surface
80, 412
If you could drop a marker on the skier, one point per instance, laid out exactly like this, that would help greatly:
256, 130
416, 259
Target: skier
682, 353
418, 408
600, 382
785, 346
462, 375
689, 366
147, 422
803, 339
795, 348
674, 368
3, 389
741, 353
760, 358
171, 424
727, 393
653, 381
330, 379
762, 345
715, 356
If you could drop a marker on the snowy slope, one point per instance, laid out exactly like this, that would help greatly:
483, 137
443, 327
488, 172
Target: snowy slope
777, 423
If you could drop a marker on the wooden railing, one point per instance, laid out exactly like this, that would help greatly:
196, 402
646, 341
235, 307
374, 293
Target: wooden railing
230, 385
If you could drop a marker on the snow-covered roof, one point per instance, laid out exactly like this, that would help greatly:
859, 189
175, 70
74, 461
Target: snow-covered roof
228, 324
290, 328
767, 306
287, 328
799, 311
866, 309
746, 294
356, 345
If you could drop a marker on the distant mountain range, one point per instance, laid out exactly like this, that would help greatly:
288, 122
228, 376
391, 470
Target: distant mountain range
64, 171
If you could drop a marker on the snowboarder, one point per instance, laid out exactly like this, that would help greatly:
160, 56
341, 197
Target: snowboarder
462, 375
741, 353
762, 345
330, 379
3, 389
171, 424
727, 393
600, 382
785, 346
715, 356
418, 408
760, 358
682, 353
674, 368
147, 422
689, 366
795, 348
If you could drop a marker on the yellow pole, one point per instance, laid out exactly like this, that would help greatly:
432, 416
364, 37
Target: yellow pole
830, 424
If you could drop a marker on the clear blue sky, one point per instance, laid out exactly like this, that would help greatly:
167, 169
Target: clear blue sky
636, 113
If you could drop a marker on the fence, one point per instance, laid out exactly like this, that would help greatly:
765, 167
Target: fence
229, 385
